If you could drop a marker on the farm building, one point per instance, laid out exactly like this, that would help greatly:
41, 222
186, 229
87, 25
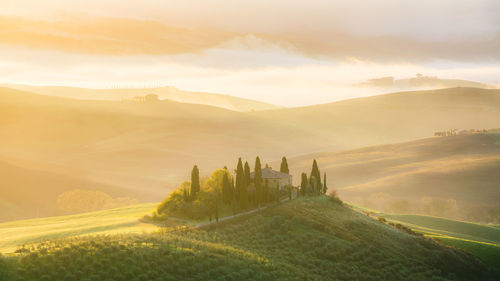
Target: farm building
274, 178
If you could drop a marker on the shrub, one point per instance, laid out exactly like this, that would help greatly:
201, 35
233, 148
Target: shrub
335, 197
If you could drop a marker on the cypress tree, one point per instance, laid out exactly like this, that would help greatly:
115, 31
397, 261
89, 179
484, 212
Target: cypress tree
303, 184
325, 188
284, 166
247, 173
246, 184
257, 181
195, 182
315, 178
313, 184
240, 183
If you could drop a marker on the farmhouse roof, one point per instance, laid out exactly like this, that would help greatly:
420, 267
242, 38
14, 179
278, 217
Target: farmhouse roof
268, 173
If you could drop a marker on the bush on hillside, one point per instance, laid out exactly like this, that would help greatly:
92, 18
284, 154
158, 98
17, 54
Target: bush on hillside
180, 203
335, 197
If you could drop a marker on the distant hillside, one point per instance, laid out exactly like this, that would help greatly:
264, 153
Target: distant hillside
455, 176
393, 117
29, 190
170, 93
420, 82
305, 239
144, 149
140, 149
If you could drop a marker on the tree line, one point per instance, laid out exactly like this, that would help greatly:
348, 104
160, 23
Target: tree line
313, 184
223, 192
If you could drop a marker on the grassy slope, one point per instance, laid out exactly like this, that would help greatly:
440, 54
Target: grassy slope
122, 220
463, 167
480, 240
171, 93
305, 239
446, 227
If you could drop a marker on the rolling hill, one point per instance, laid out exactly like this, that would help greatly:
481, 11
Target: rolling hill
170, 93
393, 117
481, 240
304, 239
455, 176
115, 221
140, 148
144, 149
421, 82
32, 191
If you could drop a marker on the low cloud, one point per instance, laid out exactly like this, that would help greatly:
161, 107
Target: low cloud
119, 36
107, 36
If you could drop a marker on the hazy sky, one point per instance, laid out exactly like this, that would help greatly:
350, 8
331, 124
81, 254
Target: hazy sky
286, 52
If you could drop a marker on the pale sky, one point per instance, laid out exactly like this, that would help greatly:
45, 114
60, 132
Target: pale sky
286, 52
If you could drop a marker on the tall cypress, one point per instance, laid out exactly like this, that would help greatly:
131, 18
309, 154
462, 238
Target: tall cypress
240, 182
247, 173
246, 184
325, 188
195, 182
257, 181
303, 184
284, 166
315, 178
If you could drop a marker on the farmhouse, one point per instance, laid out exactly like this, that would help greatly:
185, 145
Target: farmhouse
274, 178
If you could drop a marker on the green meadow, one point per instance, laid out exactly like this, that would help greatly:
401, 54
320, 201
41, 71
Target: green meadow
481, 240
122, 220
309, 238
478, 239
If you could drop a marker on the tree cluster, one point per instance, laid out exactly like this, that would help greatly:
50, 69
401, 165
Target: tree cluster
222, 191
313, 185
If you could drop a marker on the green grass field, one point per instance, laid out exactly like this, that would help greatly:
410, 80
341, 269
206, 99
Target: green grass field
121, 220
480, 240
312, 238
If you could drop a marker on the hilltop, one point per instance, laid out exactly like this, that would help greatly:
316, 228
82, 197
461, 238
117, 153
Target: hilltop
305, 239
142, 150
421, 82
170, 93
455, 176
394, 117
